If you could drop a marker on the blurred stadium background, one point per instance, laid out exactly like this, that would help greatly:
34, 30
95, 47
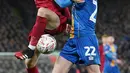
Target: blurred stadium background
18, 16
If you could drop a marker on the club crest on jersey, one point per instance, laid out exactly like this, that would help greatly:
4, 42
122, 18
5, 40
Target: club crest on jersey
91, 58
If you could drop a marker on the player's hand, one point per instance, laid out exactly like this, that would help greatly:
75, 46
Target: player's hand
78, 1
118, 61
25, 54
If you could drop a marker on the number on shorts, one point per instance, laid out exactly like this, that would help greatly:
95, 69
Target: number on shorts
92, 53
94, 13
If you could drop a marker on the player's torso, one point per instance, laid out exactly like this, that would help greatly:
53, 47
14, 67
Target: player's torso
84, 18
110, 62
111, 66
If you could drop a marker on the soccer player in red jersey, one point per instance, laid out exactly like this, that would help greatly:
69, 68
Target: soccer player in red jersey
101, 50
50, 19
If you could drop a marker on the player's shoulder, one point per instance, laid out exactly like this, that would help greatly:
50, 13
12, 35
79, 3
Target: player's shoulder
115, 46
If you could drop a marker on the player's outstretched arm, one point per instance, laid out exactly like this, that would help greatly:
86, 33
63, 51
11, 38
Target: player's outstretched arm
110, 56
64, 3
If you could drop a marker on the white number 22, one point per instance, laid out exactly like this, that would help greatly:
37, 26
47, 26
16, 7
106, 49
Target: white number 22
88, 53
94, 13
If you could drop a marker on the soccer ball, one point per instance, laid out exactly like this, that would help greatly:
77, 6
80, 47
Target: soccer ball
46, 44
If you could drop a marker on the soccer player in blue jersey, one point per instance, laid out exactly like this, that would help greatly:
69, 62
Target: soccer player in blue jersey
111, 60
82, 46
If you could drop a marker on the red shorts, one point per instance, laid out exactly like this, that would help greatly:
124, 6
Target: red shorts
61, 12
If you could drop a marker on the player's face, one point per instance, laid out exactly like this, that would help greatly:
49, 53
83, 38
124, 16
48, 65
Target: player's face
104, 40
110, 40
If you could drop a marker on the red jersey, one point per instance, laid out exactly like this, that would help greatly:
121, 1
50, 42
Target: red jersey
63, 14
102, 57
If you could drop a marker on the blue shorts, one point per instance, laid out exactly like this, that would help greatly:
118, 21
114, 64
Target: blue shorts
83, 50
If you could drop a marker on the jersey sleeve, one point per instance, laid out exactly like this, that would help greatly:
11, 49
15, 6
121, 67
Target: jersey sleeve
64, 3
110, 56
108, 53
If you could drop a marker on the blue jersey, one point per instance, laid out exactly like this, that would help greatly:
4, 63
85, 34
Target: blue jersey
110, 59
84, 18
110, 54
82, 46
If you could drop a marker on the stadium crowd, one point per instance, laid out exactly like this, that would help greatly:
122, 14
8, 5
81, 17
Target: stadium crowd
113, 18
12, 32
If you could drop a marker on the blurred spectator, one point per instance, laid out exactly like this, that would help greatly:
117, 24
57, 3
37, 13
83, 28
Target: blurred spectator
13, 35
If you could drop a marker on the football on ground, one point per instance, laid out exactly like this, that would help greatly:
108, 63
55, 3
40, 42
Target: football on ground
46, 44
